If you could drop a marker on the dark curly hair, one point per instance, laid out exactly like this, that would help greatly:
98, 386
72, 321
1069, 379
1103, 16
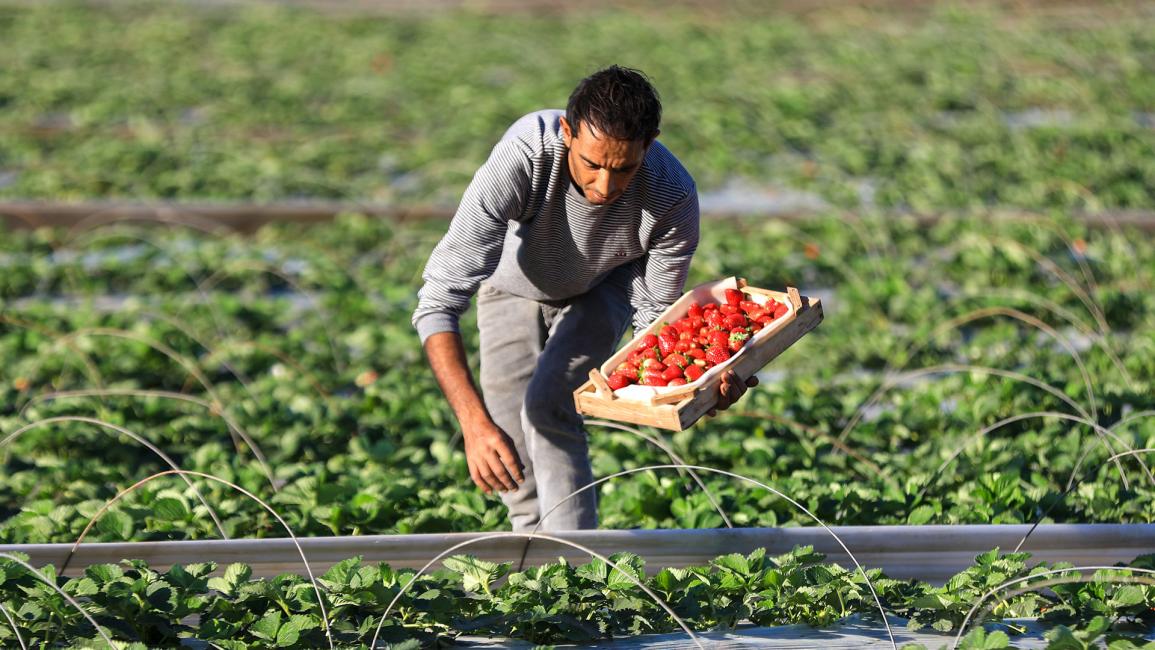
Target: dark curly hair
617, 102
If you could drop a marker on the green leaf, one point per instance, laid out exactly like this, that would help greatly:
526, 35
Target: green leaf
235, 576
103, 573
117, 524
921, 515
169, 509
476, 575
266, 627
1128, 595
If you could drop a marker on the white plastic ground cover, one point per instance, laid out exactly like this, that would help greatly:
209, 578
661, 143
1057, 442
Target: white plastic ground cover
701, 294
855, 632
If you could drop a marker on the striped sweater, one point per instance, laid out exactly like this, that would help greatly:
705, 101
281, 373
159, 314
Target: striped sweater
524, 227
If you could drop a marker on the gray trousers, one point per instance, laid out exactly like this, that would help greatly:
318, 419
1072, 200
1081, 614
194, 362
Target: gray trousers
533, 356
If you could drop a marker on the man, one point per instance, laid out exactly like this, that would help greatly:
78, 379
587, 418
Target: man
576, 223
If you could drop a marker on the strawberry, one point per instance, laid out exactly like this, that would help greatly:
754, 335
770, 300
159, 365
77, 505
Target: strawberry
719, 338
748, 306
666, 343
650, 353
710, 306
728, 309
714, 318
755, 327
780, 309
618, 380
736, 320
738, 338
676, 381
734, 297
653, 378
696, 353
693, 372
672, 372
648, 341
667, 330
695, 310
717, 354
653, 364
683, 345
676, 359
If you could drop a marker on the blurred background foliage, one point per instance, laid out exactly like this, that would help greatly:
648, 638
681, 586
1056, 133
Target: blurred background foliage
913, 106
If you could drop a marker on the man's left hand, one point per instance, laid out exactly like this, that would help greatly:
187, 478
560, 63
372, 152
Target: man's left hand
730, 390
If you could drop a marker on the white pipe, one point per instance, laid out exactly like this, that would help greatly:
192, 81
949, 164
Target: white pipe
929, 553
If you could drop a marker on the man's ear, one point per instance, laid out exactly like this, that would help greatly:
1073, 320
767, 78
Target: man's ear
566, 131
651, 141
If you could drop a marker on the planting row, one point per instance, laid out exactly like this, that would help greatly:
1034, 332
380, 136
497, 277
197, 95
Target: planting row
355, 602
978, 372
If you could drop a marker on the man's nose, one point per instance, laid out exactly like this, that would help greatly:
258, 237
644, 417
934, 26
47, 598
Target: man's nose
605, 184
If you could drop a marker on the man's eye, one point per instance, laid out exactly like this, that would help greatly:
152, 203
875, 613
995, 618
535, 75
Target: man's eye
591, 166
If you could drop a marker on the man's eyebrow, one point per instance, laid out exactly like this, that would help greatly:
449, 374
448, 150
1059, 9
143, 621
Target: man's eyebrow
591, 163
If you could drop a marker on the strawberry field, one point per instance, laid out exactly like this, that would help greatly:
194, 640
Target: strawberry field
176, 381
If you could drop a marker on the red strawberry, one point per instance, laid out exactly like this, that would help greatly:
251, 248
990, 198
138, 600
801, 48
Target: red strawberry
733, 297
748, 306
717, 354
728, 309
667, 330
780, 309
618, 380
695, 310
714, 318
710, 306
666, 344
738, 338
650, 353
736, 320
672, 372
648, 341
693, 372
696, 353
675, 359
756, 313
653, 378
755, 327
720, 338
653, 364
676, 381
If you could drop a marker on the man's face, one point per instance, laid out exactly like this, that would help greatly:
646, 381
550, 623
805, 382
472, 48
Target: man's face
601, 167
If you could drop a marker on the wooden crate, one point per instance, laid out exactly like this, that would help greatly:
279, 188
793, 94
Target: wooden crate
679, 407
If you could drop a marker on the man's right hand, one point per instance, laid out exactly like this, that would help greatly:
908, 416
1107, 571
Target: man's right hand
493, 462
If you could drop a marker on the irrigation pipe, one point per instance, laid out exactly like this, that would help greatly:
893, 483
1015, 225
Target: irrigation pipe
611, 563
931, 553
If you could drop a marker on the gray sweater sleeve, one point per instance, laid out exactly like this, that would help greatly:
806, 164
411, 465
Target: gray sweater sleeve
470, 250
659, 278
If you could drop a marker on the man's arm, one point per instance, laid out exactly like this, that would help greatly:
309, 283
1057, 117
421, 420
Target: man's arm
661, 281
493, 461
467, 254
